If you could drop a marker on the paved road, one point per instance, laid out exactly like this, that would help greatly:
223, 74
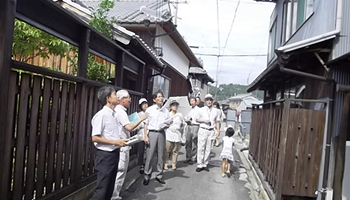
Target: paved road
186, 183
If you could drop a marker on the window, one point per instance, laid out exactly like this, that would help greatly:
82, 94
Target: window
296, 12
202, 84
161, 83
272, 41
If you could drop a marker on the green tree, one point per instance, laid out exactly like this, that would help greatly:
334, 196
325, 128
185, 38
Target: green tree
226, 91
100, 19
30, 42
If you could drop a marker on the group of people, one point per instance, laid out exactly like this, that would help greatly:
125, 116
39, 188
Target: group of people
163, 129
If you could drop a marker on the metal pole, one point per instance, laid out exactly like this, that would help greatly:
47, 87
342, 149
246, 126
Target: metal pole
325, 149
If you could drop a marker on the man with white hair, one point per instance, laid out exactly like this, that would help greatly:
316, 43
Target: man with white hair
208, 119
126, 127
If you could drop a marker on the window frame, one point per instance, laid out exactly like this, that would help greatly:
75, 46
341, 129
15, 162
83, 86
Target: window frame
163, 86
289, 25
271, 52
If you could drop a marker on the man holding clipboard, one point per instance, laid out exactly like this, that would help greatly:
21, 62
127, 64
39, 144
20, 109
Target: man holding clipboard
126, 127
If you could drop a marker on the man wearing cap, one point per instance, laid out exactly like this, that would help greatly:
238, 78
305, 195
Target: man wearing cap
143, 105
125, 128
158, 120
192, 132
208, 118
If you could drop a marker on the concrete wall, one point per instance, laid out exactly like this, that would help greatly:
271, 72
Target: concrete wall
172, 54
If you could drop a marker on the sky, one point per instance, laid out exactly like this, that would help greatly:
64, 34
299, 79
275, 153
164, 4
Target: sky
197, 22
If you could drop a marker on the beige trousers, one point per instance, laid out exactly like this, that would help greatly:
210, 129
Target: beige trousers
171, 148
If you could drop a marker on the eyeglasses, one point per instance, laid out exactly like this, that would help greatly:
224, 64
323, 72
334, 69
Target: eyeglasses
209, 100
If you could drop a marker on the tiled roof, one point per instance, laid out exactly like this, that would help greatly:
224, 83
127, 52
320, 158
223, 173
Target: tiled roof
197, 70
200, 72
120, 33
128, 11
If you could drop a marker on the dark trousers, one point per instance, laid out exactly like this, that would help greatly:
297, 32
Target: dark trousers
141, 153
106, 166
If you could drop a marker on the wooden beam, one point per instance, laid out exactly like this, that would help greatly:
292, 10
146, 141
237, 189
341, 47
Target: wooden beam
282, 149
119, 72
343, 88
141, 78
7, 17
83, 53
340, 151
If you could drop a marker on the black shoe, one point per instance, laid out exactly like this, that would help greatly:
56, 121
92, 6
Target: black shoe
206, 169
187, 161
142, 170
191, 162
160, 180
145, 182
199, 169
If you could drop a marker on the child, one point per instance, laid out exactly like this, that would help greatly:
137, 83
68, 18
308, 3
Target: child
226, 154
107, 140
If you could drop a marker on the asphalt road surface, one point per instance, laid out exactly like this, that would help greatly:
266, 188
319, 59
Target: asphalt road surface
187, 184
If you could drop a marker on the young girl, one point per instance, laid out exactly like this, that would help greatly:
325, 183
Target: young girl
227, 154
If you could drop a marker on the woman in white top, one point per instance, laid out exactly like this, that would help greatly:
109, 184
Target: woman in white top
174, 135
143, 105
227, 154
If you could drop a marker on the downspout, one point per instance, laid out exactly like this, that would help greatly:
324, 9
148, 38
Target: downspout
327, 186
338, 24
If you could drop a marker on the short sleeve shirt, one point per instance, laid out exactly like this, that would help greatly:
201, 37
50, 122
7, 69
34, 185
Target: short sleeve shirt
123, 119
211, 114
193, 114
156, 117
104, 124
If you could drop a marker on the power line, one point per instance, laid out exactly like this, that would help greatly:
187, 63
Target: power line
251, 69
229, 33
231, 55
233, 20
218, 58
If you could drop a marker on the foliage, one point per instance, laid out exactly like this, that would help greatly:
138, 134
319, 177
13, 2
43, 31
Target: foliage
226, 91
30, 42
100, 19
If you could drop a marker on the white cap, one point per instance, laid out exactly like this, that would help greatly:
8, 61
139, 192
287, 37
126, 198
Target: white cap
142, 100
208, 96
122, 94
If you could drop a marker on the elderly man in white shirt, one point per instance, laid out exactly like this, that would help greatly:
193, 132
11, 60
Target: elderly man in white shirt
154, 135
192, 132
208, 119
125, 128
107, 139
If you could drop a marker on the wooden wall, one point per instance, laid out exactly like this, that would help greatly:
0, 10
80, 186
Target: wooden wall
286, 144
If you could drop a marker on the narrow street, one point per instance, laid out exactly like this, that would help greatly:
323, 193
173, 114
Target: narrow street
186, 183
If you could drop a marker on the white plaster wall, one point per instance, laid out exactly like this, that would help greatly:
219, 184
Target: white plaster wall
172, 54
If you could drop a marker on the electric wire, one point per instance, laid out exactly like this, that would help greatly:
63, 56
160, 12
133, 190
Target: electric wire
218, 58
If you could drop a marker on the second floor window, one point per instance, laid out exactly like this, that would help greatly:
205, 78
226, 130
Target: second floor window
296, 12
161, 83
272, 41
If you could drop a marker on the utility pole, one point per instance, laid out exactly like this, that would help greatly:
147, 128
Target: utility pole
176, 7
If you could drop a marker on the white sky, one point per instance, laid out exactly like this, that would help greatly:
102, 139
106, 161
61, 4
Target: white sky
249, 35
